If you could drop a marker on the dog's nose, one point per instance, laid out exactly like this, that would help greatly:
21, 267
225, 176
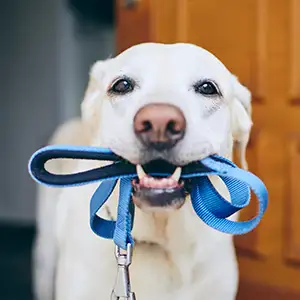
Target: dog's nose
159, 126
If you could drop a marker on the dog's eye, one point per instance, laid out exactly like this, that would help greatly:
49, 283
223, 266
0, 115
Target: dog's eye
206, 88
122, 86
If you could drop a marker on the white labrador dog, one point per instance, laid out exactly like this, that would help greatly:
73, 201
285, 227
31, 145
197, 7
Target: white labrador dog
176, 103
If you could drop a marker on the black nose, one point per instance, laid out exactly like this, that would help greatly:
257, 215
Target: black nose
159, 126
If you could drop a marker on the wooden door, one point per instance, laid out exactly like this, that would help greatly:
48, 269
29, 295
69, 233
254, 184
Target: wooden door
259, 41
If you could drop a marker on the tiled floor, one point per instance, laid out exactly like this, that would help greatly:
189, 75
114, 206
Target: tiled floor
15, 262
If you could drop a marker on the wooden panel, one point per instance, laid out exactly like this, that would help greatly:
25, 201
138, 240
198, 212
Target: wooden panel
271, 169
258, 82
265, 240
294, 92
251, 290
247, 244
271, 271
277, 237
277, 54
236, 33
133, 24
292, 203
213, 26
145, 21
163, 22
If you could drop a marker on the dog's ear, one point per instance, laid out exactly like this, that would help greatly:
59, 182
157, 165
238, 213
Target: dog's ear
241, 119
91, 104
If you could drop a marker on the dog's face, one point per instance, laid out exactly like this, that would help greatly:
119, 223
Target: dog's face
165, 104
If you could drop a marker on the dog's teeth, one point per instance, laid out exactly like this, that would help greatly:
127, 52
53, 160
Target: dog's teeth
140, 172
176, 175
146, 181
171, 182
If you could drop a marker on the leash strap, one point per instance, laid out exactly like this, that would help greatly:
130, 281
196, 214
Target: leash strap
208, 204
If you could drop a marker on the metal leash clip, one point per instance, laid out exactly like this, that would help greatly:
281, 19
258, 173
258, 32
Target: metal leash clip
122, 288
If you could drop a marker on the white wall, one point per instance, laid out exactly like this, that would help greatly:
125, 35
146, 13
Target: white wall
43, 73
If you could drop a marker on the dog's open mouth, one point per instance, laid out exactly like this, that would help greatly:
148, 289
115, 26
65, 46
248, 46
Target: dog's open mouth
153, 192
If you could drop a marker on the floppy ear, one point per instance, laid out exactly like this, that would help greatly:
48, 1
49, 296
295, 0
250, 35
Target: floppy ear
91, 104
241, 119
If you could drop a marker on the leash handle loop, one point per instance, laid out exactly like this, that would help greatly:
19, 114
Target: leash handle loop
208, 204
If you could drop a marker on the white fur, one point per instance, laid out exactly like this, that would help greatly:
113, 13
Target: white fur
177, 256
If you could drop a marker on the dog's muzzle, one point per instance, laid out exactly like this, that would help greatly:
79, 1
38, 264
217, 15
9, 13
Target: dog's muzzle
159, 127
150, 192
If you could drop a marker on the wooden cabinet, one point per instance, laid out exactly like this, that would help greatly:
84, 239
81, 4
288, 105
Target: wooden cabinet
259, 41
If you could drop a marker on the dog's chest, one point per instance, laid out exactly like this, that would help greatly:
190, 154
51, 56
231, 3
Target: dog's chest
159, 274
163, 269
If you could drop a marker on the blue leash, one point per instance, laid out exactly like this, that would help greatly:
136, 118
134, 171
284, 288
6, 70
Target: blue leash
208, 204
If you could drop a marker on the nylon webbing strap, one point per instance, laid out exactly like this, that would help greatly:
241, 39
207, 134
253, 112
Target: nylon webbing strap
208, 204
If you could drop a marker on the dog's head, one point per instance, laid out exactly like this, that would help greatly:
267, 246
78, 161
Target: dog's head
166, 104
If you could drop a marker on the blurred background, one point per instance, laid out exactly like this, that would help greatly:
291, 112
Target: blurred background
47, 49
